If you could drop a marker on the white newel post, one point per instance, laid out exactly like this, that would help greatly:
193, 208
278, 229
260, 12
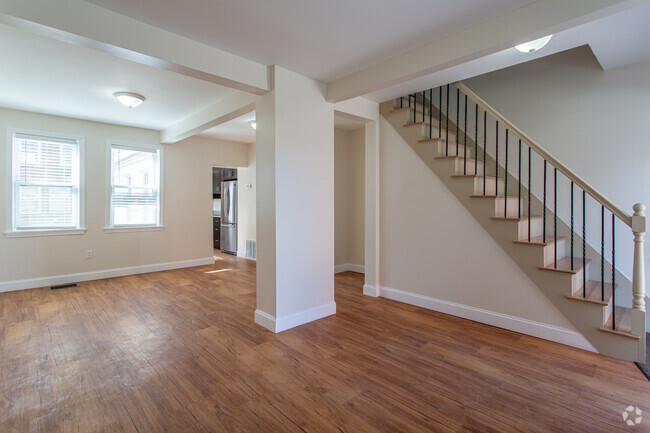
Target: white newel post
638, 279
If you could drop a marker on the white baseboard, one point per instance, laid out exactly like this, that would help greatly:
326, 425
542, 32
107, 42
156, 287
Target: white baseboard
279, 324
242, 254
8, 286
369, 290
345, 267
517, 324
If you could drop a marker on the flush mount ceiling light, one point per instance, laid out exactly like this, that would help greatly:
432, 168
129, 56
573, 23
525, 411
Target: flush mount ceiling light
253, 124
129, 99
535, 45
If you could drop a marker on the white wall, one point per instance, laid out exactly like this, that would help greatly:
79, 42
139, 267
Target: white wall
349, 200
594, 121
187, 206
432, 247
246, 202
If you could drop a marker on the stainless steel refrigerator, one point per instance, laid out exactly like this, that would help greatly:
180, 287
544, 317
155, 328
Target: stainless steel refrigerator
229, 217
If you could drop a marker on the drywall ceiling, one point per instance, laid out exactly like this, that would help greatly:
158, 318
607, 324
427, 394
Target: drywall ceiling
48, 76
237, 130
324, 40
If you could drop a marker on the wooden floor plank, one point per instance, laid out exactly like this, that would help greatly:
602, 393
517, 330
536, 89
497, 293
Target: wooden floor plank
179, 351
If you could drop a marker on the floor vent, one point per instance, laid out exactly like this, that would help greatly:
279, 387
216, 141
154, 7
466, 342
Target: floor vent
63, 286
251, 249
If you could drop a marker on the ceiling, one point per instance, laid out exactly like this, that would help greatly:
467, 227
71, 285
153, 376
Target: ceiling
53, 77
323, 40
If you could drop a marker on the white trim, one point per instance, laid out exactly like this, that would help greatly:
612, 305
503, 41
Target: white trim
279, 324
345, 267
9, 176
38, 233
243, 256
517, 324
153, 148
370, 290
8, 286
133, 229
265, 320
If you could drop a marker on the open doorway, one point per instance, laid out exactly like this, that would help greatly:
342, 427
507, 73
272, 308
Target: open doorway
349, 195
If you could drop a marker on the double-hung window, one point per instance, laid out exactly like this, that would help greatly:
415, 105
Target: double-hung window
135, 199
45, 183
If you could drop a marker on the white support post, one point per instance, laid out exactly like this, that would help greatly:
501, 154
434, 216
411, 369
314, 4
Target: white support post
638, 280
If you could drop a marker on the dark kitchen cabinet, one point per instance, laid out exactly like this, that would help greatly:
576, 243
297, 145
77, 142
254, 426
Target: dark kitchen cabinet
217, 178
229, 174
216, 229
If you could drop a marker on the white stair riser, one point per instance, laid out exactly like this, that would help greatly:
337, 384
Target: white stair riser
423, 131
576, 279
450, 149
405, 104
512, 210
549, 251
469, 167
536, 228
490, 185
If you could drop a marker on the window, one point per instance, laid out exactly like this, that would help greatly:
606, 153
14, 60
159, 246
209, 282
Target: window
134, 197
45, 174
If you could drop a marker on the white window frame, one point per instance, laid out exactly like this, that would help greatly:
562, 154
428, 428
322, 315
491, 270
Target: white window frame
110, 227
11, 231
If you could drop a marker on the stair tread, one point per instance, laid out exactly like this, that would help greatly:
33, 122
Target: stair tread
516, 218
594, 293
426, 114
623, 323
474, 175
493, 196
453, 157
564, 265
425, 123
539, 240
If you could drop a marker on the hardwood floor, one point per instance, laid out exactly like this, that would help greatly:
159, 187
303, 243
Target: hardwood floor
178, 351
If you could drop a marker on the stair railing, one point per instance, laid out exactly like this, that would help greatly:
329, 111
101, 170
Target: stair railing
637, 222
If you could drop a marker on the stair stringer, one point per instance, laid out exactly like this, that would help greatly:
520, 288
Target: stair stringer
586, 317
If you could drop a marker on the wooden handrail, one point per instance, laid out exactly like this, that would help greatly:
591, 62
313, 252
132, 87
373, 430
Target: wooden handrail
593, 192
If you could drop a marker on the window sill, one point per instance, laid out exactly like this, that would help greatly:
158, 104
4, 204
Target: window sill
38, 233
133, 229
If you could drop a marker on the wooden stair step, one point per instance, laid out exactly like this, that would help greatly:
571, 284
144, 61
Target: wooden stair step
406, 125
623, 323
473, 175
455, 157
524, 218
594, 293
493, 196
564, 265
539, 240
426, 113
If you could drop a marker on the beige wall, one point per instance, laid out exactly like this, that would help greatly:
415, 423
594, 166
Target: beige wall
246, 213
432, 246
187, 204
349, 197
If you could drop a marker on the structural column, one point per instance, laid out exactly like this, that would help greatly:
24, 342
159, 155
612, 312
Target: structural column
295, 203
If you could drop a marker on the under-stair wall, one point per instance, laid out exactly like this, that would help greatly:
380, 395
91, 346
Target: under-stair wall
473, 184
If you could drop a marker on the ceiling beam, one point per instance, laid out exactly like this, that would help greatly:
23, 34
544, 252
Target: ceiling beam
82, 23
529, 22
232, 106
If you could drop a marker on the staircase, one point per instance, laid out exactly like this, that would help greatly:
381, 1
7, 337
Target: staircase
491, 175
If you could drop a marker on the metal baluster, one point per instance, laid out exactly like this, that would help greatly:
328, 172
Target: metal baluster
415, 106
571, 225
496, 162
484, 148
457, 118
519, 183
555, 215
440, 113
505, 201
424, 99
401, 102
430, 113
584, 246
465, 148
613, 273
544, 208
602, 253
447, 127
476, 142
529, 173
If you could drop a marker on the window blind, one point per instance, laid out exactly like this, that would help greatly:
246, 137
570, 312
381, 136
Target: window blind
135, 191
45, 173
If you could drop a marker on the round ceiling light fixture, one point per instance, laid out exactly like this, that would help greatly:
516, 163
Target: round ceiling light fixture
129, 99
253, 124
532, 46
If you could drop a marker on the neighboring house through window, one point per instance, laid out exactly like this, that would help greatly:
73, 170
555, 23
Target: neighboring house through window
134, 201
44, 183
